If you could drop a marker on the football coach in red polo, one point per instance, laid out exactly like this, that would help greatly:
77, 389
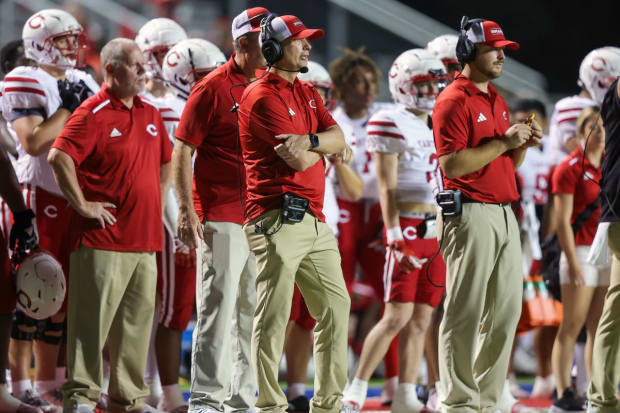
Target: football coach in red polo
111, 162
285, 131
478, 153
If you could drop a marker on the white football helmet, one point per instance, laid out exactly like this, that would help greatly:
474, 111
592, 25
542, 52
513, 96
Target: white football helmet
411, 68
598, 70
188, 61
40, 285
158, 36
444, 48
40, 31
319, 77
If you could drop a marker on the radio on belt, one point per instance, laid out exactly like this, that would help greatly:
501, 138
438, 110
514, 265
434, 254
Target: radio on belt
450, 202
294, 207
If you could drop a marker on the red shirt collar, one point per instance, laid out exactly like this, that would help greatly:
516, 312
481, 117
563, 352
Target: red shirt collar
468, 86
233, 67
276, 80
116, 103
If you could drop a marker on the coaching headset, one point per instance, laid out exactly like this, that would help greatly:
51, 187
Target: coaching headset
271, 47
465, 48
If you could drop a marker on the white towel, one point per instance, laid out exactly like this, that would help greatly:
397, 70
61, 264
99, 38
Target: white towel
599, 251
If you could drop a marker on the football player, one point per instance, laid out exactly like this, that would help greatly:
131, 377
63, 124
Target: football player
444, 47
356, 81
21, 237
37, 101
407, 172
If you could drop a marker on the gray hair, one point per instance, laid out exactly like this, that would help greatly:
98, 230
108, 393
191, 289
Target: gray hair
116, 51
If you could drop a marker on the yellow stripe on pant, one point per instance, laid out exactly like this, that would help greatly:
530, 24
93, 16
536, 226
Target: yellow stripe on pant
305, 253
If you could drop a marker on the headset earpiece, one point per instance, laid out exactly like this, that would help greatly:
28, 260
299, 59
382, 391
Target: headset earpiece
465, 48
270, 47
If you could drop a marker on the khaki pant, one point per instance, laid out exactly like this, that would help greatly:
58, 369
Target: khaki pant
225, 302
111, 296
305, 253
606, 354
482, 251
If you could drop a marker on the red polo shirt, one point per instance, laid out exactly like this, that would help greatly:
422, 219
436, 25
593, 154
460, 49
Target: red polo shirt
568, 178
118, 152
209, 124
269, 107
466, 117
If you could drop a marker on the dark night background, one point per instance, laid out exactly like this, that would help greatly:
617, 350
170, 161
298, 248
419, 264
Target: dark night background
554, 35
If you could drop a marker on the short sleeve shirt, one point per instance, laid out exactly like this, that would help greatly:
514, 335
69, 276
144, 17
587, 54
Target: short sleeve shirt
270, 107
579, 177
118, 153
610, 184
209, 123
466, 117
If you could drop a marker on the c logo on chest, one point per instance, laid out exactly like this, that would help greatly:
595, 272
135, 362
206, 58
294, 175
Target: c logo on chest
151, 129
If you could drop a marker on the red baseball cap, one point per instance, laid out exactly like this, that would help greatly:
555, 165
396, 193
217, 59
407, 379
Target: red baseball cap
284, 27
248, 21
488, 32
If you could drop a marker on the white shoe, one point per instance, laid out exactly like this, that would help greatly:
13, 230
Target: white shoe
406, 399
84, 408
516, 390
506, 401
389, 388
433, 401
354, 396
543, 387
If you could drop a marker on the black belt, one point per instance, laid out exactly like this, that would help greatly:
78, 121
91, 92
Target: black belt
466, 200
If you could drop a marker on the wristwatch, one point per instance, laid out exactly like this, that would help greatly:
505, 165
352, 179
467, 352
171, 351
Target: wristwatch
314, 140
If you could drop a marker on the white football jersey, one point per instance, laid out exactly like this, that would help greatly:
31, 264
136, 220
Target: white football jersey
564, 123
534, 172
401, 132
32, 88
330, 204
354, 131
169, 114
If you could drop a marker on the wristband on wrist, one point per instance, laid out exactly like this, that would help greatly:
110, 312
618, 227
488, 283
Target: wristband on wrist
394, 234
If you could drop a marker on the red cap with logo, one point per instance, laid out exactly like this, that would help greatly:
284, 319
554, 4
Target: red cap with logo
248, 21
284, 27
488, 32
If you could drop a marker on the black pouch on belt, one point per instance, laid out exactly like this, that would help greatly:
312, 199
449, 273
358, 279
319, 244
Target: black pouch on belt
294, 207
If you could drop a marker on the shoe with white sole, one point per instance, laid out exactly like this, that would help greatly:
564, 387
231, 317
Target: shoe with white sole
354, 396
406, 399
543, 387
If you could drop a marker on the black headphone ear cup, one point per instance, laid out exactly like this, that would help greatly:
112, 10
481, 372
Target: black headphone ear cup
272, 51
465, 50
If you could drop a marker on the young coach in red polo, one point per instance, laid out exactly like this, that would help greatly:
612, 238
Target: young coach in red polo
211, 220
285, 131
111, 162
478, 154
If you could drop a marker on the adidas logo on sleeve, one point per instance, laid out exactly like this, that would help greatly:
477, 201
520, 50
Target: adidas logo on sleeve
115, 133
481, 118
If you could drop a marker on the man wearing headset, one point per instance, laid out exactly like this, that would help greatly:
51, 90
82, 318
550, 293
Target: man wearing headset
478, 154
285, 131
210, 220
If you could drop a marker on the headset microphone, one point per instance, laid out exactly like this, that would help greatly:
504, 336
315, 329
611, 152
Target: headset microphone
302, 69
